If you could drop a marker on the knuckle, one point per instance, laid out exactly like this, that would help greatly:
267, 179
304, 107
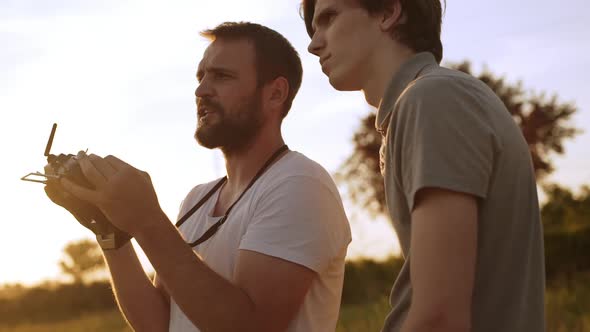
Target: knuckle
48, 169
84, 161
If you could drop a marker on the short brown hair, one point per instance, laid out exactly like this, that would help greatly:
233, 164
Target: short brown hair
420, 31
275, 56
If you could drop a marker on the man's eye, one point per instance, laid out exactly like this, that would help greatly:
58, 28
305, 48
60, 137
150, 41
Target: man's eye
331, 18
221, 76
327, 19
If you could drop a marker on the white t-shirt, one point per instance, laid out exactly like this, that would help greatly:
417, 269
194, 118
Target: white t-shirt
293, 212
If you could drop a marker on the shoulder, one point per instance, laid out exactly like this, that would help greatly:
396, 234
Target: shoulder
446, 95
297, 166
297, 182
297, 214
442, 84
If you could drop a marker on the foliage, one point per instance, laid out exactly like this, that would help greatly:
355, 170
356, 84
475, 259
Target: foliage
564, 210
567, 307
566, 222
82, 258
100, 321
363, 317
543, 121
91, 307
361, 172
567, 252
55, 303
567, 303
366, 281
12, 291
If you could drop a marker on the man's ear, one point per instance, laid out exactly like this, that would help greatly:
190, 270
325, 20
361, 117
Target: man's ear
392, 16
277, 92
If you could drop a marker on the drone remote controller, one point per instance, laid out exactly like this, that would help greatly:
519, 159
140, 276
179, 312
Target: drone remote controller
67, 166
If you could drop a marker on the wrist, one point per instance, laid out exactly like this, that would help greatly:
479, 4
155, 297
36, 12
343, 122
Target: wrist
150, 224
113, 241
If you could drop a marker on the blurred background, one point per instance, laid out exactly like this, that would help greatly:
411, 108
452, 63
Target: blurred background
119, 77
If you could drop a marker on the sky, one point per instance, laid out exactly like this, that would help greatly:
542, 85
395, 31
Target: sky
118, 76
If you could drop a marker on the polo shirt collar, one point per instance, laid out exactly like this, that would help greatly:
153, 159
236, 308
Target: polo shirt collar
407, 73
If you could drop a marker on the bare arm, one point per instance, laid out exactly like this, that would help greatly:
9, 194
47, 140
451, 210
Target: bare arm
443, 255
265, 295
143, 305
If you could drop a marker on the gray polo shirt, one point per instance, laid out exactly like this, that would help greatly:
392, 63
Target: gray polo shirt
445, 129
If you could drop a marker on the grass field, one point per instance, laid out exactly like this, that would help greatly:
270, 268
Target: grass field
567, 305
110, 321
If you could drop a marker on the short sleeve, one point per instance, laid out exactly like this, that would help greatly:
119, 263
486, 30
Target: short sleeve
299, 220
443, 139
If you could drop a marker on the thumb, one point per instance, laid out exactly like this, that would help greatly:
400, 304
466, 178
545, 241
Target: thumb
78, 191
54, 195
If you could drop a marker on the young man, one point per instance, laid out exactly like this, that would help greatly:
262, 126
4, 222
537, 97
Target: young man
459, 181
266, 245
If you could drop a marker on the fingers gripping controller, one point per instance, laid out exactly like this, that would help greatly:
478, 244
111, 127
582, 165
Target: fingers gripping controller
90, 216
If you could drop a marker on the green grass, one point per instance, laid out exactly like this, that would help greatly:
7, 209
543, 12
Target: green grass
567, 305
107, 321
369, 317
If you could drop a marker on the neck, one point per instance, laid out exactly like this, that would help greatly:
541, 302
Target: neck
243, 164
384, 63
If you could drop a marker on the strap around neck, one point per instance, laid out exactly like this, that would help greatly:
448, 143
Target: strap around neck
213, 229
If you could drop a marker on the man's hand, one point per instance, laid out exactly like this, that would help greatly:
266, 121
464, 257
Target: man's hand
59, 196
123, 193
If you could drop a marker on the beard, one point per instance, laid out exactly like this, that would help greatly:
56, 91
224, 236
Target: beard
231, 130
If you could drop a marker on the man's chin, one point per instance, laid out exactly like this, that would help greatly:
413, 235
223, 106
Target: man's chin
341, 84
212, 141
207, 145
205, 140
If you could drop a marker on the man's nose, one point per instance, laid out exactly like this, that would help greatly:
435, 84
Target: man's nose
316, 44
203, 90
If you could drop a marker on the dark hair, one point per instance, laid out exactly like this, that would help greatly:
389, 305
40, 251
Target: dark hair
420, 31
275, 56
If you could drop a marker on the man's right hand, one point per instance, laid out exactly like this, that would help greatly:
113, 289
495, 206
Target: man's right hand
58, 195
62, 198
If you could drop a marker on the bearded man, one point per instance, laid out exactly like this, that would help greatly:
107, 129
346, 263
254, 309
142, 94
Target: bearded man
261, 249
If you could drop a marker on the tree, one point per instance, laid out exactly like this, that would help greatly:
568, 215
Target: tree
543, 121
82, 258
565, 211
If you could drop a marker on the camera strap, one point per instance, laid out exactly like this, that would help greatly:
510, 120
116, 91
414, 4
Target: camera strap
215, 227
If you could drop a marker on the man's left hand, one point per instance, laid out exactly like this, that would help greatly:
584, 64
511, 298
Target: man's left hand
123, 193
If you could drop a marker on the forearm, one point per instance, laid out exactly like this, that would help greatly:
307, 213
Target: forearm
211, 302
441, 320
141, 303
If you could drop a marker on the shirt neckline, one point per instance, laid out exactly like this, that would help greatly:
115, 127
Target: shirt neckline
408, 72
213, 199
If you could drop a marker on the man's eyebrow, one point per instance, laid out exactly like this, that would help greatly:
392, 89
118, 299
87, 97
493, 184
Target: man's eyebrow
321, 15
215, 69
